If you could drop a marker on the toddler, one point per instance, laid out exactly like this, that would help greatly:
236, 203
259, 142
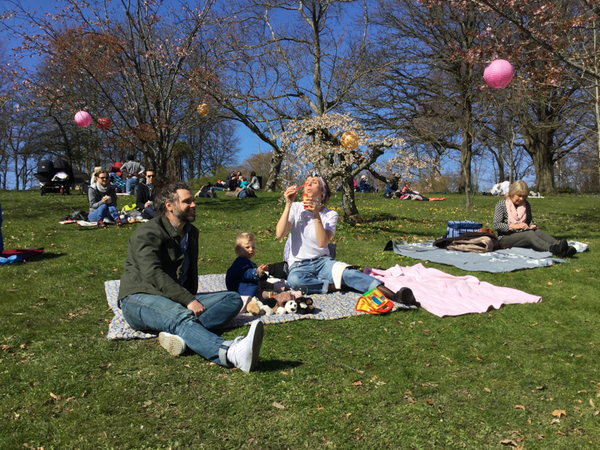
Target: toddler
243, 276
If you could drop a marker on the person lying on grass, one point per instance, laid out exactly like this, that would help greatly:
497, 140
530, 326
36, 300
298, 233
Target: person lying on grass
158, 289
514, 223
311, 226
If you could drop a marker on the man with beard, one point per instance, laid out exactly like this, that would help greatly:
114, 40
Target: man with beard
159, 285
145, 196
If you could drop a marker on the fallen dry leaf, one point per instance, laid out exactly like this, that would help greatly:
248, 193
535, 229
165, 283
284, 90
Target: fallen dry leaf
319, 408
487, 389
278, 405
148, 403
284, 373
508, 442
54, 396
559, 413
549, 283
428, 401
357, 383
520, 407
592, 404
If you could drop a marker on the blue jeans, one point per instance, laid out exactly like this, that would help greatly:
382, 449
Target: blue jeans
313, 276
153, 312
103, 211
132, 184
149, 213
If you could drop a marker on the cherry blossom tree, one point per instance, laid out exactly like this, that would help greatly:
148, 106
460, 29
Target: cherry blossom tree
314, 144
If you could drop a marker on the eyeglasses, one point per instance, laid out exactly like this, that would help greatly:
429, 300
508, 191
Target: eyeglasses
149, 176
103, 178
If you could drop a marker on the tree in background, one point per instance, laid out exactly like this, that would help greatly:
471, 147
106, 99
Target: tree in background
428, 89
286, 61
314, 144
135, 58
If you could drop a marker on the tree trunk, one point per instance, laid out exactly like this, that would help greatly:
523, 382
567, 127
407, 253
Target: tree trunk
274, 169
348, 204
544, 170
466, 154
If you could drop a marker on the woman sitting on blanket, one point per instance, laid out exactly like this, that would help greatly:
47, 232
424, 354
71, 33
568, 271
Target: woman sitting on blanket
311, 226
514, 223
103, 201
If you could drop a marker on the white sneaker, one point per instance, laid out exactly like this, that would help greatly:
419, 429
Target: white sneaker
243, 352
171, 343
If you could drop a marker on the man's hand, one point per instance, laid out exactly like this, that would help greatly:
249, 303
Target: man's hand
196, 307
148, 203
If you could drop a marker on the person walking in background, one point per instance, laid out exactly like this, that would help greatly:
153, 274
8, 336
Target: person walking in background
134, 169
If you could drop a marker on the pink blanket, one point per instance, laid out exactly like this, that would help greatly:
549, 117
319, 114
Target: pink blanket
446, 295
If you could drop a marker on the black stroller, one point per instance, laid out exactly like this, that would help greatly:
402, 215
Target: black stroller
55, 176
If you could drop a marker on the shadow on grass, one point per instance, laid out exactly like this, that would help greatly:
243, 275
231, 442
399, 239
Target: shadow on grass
277, 366
46, 255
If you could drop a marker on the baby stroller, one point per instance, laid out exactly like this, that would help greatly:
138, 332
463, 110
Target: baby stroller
55, 176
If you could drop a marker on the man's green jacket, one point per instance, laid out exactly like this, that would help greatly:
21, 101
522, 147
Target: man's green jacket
154, 263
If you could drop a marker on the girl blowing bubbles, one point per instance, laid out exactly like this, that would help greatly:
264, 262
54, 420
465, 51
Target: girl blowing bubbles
311, 226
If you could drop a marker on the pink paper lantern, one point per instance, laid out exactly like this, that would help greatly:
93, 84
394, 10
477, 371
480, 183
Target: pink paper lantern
498, 74
83, 119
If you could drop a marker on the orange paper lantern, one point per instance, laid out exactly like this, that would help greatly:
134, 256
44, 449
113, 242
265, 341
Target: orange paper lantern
350, 140
203, 109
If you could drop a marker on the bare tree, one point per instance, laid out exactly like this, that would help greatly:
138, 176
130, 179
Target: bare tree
428, 90
135, 57
288, 61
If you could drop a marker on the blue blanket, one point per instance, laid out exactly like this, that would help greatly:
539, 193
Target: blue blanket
506, 260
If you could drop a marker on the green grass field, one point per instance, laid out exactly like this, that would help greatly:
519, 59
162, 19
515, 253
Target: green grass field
405, 380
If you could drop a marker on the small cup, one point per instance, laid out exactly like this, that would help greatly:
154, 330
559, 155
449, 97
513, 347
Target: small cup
304, 198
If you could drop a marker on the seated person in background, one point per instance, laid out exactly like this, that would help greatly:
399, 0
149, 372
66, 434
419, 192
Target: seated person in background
363, 186
103, 201
514, 223
504, 187
116, 178
496, 189
391, 188
254, 182
145, 196
310, 227
244, 183
159, 288
231, 181
94, 177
